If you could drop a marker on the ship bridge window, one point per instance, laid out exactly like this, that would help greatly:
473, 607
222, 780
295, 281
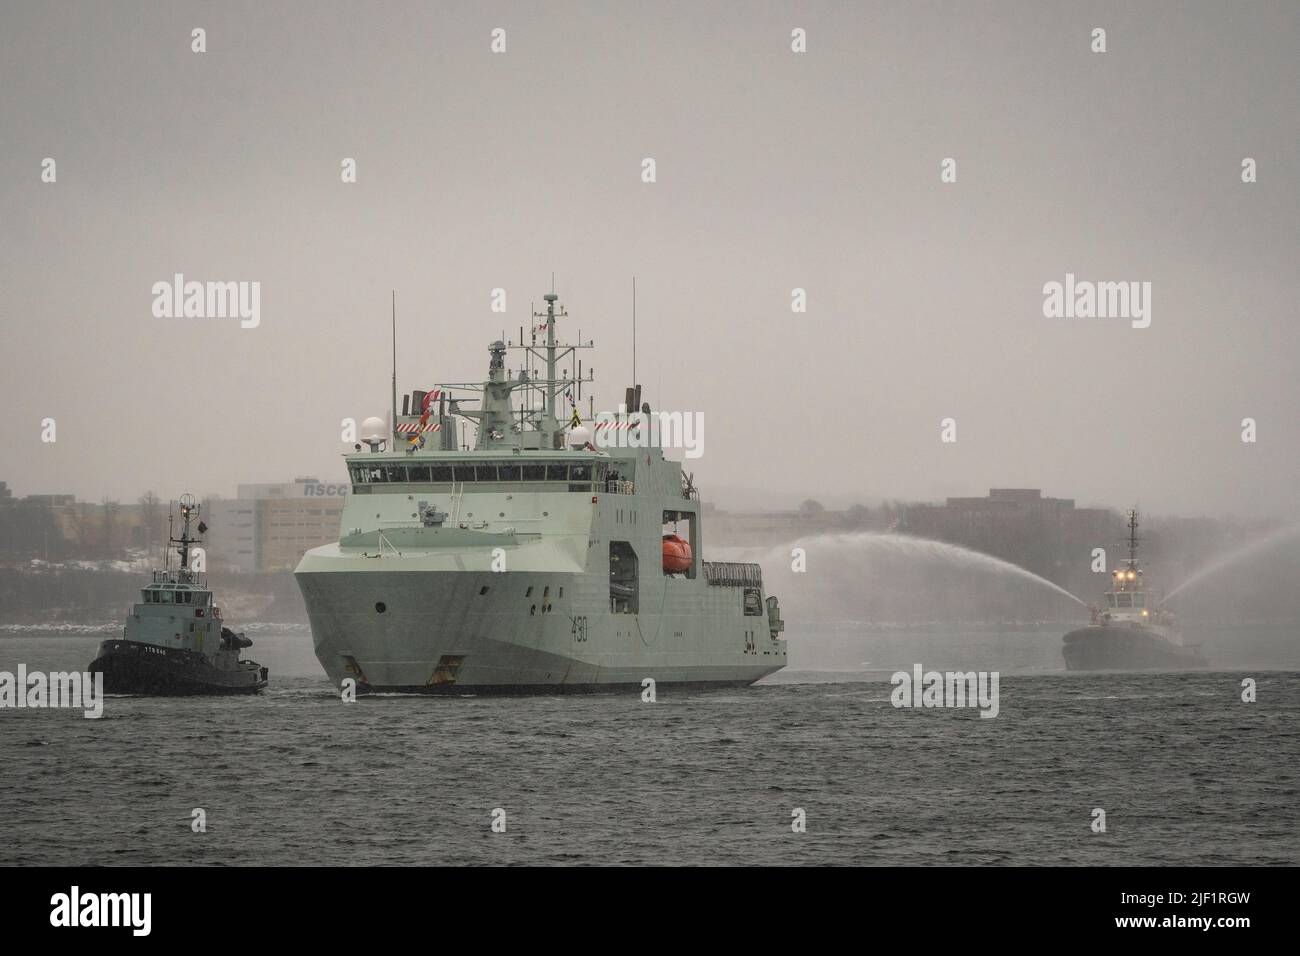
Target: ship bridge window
1110, 600
580, 475
1139, 600
1125, 599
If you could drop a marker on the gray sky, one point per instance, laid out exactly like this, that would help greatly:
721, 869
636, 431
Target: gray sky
775, 170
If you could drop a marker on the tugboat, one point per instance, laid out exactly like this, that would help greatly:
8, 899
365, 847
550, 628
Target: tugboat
174, 642
1134, 631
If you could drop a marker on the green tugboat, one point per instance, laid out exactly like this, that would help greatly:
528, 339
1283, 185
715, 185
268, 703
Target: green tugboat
1134, 631
174, 642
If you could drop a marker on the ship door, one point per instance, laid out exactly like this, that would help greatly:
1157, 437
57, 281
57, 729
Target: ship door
623, 578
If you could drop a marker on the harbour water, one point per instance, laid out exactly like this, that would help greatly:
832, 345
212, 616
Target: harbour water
1186, 772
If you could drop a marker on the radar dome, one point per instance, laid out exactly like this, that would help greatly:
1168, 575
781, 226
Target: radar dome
374, 429
579, 437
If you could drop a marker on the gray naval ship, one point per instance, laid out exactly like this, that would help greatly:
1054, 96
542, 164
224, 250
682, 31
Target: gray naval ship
174, 641
1134, 631
535, 561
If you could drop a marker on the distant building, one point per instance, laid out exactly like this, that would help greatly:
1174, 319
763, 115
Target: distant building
1049, 536
268, 527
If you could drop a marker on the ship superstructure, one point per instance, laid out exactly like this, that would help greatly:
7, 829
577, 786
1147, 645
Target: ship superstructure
1133, 630
536, 560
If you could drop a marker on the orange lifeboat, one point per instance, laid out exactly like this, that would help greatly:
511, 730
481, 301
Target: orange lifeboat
677, 555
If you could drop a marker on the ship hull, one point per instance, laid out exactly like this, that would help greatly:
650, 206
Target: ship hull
462, 632
134, 667
1102, 648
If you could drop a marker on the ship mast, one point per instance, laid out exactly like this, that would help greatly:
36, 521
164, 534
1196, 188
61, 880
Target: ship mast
1132, 537
549, 392
189, 508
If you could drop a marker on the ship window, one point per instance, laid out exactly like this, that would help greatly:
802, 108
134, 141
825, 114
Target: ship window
1139, 600
395, 472
528, 593
561, 590
508, 473
557, 472
360, 475
1125, 599
166, 596
440, 473
580, 473
483, 590
374, 474
417, 473
381, 607
1110, 600
485, 473
534, 472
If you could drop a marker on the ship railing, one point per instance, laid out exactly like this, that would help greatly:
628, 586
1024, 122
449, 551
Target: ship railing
391, 525
617, 486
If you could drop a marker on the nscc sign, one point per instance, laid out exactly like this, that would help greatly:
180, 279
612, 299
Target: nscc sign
319, 490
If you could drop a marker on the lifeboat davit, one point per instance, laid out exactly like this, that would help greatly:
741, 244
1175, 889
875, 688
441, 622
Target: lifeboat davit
677, 555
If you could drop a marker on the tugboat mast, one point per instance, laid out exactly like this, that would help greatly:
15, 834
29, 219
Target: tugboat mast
189, 510
1132, 538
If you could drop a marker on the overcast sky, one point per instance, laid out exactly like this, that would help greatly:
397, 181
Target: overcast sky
775, 170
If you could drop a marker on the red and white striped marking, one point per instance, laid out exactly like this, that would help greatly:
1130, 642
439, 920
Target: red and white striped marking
617, 426
409, 428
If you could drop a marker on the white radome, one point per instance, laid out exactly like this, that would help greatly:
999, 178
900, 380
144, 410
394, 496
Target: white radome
579, 437
374, 428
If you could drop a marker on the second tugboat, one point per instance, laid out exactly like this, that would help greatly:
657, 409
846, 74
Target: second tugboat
1133, 631
174, 642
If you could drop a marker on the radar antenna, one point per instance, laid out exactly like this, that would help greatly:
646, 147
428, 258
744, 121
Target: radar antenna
1132, 536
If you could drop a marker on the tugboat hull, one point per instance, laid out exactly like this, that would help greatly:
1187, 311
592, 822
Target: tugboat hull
132, 667
1101, 648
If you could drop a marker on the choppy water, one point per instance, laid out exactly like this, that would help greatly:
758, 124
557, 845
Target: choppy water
1186, 772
